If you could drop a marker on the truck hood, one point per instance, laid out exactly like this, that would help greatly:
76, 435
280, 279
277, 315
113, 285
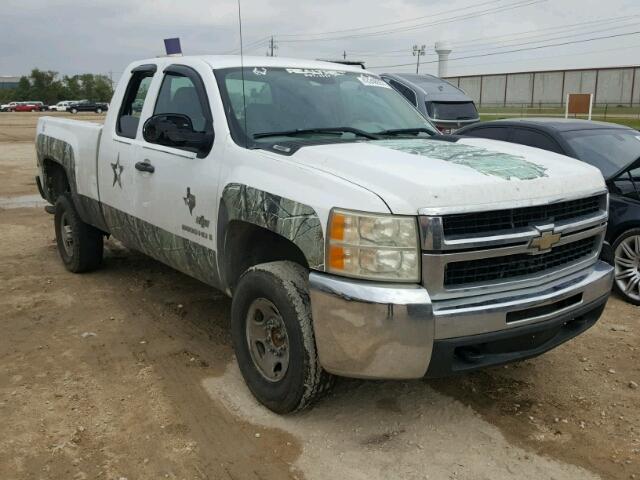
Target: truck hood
470, 174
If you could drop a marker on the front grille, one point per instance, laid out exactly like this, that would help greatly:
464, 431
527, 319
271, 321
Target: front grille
472, 223
510, 266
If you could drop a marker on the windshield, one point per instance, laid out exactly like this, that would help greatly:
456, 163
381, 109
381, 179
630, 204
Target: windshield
611, 150
452, 110
294, 101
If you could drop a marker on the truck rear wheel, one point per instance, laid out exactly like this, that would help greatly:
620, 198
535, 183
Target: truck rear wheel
273, 337
80, 245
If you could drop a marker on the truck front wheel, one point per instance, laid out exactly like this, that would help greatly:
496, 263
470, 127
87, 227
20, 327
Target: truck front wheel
80, 245
273, 337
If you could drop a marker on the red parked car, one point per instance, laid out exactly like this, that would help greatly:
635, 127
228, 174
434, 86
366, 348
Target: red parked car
29, 107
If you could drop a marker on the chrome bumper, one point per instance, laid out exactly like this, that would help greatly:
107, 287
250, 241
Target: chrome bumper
371, 330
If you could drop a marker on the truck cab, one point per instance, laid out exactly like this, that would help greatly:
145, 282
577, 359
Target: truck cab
353, 239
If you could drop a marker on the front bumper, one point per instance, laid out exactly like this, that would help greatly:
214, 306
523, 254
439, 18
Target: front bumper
371, 330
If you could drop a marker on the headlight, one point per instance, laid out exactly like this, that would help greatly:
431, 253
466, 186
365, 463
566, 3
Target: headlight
373, 246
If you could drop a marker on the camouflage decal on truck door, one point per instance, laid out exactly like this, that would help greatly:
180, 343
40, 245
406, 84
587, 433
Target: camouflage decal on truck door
487, 162
294, 221
180, 253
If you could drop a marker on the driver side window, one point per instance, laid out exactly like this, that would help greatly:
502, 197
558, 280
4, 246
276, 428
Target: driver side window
178, 94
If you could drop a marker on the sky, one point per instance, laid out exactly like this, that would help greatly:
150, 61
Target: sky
487, 36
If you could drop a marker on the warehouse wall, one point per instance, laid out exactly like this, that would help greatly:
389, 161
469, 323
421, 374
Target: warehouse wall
615, 86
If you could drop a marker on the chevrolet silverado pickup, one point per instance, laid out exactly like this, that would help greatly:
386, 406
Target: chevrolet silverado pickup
353, 239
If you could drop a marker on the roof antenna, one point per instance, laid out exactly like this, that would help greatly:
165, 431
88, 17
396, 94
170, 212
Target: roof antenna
244, 102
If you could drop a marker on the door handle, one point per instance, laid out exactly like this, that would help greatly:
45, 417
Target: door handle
145, 167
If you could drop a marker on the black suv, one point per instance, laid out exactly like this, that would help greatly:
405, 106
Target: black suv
87, 106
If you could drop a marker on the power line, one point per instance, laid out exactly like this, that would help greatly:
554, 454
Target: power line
519, 49
545, 58
546, 29
465, 16
408, 20
591, 32
633, 24
509, 37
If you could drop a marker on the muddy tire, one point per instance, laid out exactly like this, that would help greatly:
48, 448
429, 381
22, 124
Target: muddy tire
626, 255
273, 337
80, 245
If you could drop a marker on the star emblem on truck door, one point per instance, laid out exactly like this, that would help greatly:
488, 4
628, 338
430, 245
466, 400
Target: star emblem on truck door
117, 172
190, 200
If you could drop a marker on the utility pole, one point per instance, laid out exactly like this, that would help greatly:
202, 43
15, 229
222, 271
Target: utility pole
272, 47
418, 51
344, 55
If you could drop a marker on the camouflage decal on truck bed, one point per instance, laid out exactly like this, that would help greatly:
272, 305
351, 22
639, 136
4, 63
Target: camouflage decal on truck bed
180, 253
487, 162
59, 151
294, 221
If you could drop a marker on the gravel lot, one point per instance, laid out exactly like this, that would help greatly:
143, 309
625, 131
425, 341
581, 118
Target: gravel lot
128, 373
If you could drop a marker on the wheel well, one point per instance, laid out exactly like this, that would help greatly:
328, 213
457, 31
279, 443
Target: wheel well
621, 229
247, 244
56, 182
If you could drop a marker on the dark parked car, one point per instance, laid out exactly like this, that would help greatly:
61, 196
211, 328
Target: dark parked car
87, 106
448, 107
615, 150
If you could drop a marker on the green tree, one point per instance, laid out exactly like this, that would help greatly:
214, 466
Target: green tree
102, 88
24, 89
72, 87
45, 86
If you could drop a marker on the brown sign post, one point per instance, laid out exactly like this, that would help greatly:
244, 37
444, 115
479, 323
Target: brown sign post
579, 104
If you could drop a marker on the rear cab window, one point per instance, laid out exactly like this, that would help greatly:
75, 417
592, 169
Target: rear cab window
452, 110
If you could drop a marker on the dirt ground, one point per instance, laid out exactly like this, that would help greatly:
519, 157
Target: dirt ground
128, 373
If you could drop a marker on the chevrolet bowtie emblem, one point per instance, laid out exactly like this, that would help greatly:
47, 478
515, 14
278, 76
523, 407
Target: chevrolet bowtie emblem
545, 241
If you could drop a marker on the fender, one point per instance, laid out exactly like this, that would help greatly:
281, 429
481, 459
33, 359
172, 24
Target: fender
61, 152
294, 221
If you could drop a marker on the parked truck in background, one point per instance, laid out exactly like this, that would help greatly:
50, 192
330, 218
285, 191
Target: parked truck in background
353, 239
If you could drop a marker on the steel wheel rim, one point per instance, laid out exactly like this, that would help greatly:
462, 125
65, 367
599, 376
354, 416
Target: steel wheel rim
66, 232
627, 266
267, 339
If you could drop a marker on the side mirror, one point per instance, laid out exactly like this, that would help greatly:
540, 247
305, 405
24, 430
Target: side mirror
176, 130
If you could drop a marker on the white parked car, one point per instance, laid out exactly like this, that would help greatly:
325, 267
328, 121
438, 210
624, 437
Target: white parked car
8, 107
353, 239
62, 106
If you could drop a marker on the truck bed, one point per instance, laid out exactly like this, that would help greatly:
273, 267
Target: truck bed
84, 138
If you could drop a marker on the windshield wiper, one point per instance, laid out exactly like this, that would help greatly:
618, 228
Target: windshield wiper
409, 131
330, 130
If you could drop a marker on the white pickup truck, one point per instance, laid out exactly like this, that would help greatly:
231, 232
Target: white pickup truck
353, 239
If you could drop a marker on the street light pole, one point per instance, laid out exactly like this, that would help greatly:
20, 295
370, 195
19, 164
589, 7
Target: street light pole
418, 51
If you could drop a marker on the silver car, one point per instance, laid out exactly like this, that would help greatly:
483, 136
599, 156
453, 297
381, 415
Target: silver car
448, 107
